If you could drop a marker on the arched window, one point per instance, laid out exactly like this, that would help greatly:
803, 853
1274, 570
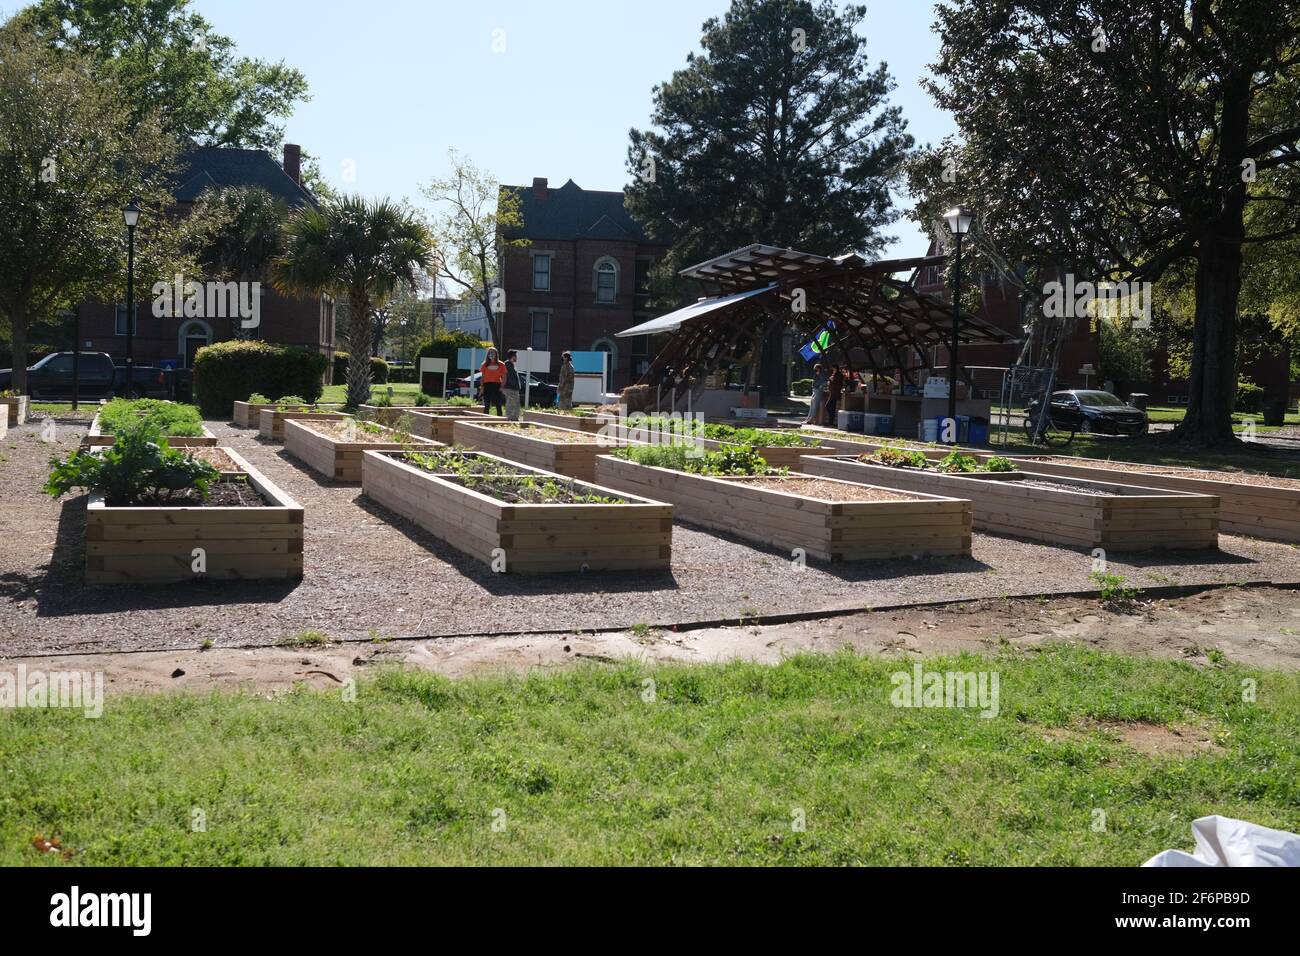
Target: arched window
607, 345
606, 280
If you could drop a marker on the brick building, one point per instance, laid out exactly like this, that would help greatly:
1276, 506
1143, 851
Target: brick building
304, 322
581, 277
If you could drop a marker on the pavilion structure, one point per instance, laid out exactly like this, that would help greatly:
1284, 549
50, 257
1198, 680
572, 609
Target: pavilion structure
876, 319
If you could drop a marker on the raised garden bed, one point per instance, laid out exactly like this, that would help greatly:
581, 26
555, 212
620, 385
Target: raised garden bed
1060, 511
776, 456
245, 415
96, 437
847, 443
1260, 506
270, 421
583, 423
334, 449
830, 520
562, 450
423, 421
522, 538
13, 409
155, 545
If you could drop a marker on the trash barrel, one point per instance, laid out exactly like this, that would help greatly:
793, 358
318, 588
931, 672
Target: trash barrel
1275, 411
1139, 400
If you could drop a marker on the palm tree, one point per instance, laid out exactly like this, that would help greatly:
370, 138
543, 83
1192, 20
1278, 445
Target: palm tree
358, 251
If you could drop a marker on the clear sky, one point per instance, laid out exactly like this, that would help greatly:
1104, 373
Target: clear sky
394, 83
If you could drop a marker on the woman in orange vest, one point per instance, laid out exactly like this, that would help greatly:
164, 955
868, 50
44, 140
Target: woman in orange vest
493, 374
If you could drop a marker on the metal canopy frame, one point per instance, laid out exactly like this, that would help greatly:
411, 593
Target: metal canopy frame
873, 312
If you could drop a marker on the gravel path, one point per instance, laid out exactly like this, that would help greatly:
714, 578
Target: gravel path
371, 574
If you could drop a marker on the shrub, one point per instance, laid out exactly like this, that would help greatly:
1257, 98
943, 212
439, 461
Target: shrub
422, 400
801, 386
170, 418
378, 370
257, 398
445, 343
1250, 397
292, 401
138, 468
230, 372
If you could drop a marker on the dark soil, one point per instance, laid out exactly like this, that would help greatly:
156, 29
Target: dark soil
529, 491
221, 494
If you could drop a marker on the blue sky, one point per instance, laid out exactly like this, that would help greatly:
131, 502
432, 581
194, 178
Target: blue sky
396, 82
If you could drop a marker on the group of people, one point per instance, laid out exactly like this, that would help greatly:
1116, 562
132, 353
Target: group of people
500, 383
829, 384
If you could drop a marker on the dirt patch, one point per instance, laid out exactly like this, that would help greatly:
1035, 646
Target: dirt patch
215, 457
559, 436
824, 490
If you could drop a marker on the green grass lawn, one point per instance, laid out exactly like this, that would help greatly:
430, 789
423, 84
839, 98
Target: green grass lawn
403, 393
1172, 414
578, 767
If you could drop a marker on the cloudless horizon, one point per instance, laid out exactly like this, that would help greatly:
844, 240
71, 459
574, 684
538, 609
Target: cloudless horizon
395, 83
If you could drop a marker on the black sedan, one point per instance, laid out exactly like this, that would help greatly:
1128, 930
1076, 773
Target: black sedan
1092, 411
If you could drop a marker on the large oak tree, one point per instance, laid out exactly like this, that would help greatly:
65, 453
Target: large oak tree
1130, 142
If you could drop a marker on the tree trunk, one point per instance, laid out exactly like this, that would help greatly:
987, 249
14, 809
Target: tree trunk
1213, 385
18, 322
359, 337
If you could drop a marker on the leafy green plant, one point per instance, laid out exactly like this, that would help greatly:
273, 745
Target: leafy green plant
898, 458
423, 401
381, 400
257, 398
170, 418
461, 401
730, 460
1115, 592
957, 463
138, 468
998, 463
291, 401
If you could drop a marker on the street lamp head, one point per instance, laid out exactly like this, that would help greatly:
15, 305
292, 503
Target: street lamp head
131, 215
959, 220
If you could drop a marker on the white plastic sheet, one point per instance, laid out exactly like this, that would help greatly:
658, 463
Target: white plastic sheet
1222, 841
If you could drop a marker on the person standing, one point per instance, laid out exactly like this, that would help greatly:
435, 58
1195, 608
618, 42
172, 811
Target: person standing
512, 386
566, 381
833, 392
492, 375
818, 389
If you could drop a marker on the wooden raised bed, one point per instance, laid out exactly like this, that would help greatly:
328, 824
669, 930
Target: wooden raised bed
14, 409
533, 539
4, 424
1085, 514
156, 545
246, 413
916, 524
97, 438
575, 458
270, 421
582, 423
339, 460
434, 423
776, 456
1268, 509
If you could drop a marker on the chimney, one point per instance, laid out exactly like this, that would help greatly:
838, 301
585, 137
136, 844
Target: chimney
539, 187
293, 162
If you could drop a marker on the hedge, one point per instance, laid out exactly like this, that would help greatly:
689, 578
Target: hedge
801, 386
445, 344
378, 370
229, 372
1250, 397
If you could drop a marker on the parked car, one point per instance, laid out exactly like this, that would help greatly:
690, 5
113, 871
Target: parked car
97, 377
540, 393
1092, 411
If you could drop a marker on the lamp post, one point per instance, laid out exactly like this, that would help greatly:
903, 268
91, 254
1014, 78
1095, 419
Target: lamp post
959, 220
131, 216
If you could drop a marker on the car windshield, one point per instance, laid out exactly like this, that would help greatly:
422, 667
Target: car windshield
1100, 399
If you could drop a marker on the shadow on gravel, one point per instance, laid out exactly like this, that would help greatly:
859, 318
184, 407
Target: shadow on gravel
62, 590
508, 585
875, 569
1179, 559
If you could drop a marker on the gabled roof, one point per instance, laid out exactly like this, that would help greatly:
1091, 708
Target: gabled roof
571, 212
207, 167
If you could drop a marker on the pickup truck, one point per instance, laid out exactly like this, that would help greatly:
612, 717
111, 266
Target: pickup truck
51, 378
